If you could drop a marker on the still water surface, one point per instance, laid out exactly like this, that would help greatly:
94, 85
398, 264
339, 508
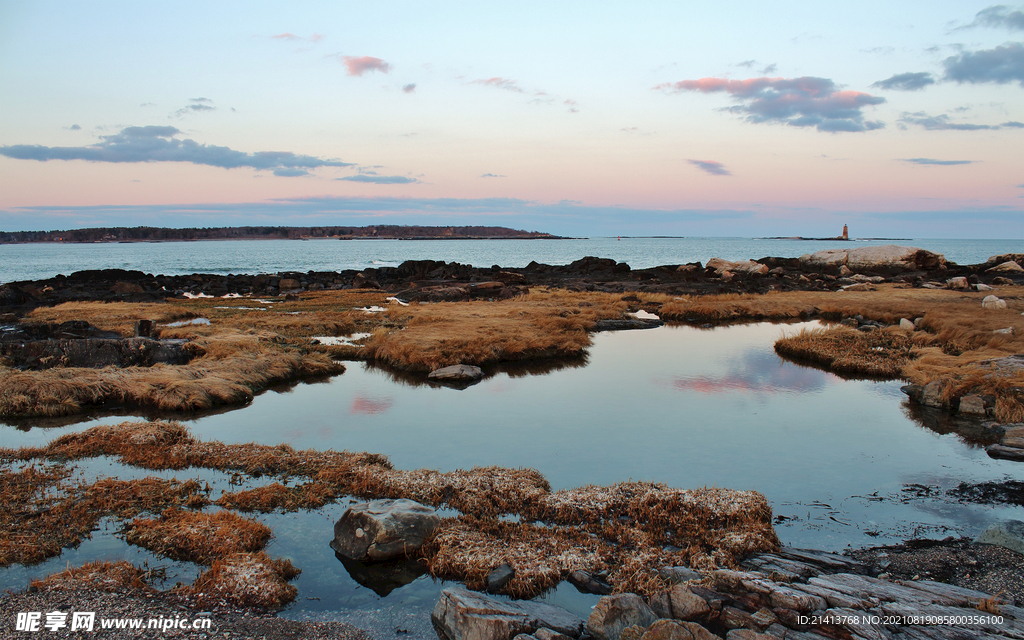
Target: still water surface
685, 406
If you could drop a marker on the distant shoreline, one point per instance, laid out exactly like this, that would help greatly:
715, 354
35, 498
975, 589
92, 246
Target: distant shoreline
357, 238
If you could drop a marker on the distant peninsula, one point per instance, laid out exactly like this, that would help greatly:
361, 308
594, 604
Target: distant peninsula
160, 234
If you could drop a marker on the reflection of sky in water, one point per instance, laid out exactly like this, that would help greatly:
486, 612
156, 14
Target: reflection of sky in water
369, 405
757, 371
678, 405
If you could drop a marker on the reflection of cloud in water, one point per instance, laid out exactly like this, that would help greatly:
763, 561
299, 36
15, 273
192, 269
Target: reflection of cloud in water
369, 405
757, 370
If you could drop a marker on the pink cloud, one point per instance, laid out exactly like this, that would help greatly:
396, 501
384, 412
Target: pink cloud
499, 83
357, 66
286, 36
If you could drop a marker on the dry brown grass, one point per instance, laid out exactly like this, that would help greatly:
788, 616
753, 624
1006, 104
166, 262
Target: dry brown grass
276, 496
120, 576
197, 536
243, 579
169, 445
879, 353
113, 316
231, 369
542, 324
467, 549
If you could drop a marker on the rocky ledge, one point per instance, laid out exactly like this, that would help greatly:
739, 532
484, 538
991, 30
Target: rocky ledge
792, 594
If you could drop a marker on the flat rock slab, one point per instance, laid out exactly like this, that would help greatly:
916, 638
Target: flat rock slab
626, 324
462, 614
383, 529
456, 373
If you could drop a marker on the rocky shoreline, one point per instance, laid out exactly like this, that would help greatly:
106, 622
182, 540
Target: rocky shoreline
429, 280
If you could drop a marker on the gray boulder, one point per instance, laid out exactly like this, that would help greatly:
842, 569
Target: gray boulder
612, 614
1008, 534
973, 404
679, 603
461, 614
383, 529
932, 394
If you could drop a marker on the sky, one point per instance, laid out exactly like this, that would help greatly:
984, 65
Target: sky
725, 118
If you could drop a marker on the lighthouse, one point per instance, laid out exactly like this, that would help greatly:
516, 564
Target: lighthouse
846, 233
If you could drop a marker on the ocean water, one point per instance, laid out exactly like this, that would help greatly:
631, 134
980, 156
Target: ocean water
39, 261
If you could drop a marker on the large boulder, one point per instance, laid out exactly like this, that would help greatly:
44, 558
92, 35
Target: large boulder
743, 266
993, 302
383, 529
1006, 267
884, 258
461, 614
679, 603
612, 614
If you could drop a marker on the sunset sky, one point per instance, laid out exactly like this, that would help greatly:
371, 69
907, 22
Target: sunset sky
578, 118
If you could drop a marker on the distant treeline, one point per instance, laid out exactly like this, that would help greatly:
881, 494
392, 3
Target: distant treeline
151, 234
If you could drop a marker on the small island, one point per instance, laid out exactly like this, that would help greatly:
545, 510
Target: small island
160, 234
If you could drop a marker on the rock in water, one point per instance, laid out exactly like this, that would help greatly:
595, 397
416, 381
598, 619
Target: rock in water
383, 529
456, 373
461, 614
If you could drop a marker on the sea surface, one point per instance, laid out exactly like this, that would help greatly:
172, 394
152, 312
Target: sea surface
44, 260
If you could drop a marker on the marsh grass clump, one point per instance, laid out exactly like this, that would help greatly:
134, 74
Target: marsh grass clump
101, 575
49, 512
276, 496
162, 444
468, 549
244, 579
197, 536
878, 353
206, 382
541, 324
